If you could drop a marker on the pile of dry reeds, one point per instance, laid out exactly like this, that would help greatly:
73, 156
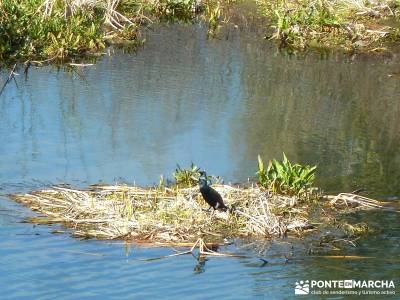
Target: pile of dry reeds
165, 214
176, 215
111, 16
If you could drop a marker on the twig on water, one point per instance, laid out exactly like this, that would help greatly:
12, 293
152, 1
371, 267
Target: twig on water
203, 251
346, 198
11, 76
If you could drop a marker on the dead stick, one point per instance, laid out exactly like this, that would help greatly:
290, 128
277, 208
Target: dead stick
10, 77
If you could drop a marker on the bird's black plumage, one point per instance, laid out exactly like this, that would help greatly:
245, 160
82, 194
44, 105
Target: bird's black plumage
211, 196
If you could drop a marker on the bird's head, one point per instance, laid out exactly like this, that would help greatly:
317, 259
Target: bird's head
203, 178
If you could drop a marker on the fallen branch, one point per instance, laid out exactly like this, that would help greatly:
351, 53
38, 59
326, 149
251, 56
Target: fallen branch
10, 77
346, 198
203, 251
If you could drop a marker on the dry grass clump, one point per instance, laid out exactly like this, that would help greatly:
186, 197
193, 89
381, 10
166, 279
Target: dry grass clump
176, 215
165, 214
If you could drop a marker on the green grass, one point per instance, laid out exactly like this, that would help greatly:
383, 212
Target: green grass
347, 24
294, 22
27, 32
65, 29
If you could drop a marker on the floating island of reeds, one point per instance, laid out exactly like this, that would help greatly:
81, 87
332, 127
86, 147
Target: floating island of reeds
282, 202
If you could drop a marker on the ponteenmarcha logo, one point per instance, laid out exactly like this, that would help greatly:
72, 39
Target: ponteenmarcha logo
302, 288
343, 287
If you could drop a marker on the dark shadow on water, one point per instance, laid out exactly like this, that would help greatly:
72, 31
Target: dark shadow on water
201, 265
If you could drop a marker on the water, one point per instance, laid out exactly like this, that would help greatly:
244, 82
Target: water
218, 103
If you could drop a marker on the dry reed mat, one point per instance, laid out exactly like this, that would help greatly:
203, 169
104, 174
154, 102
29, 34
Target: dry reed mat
179, 216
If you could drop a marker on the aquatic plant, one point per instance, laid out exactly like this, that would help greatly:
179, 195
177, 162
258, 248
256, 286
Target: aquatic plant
283, 177
187, 176
354, 230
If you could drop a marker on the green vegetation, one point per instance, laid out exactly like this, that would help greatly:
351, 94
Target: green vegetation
354, 230
213, 16
29, 29
175, 10
349, 24
187, 177
283, 177
295, 23
59, 29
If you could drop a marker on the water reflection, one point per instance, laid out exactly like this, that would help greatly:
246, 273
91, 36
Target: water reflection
324, 112
215, 102
218, 103
201, 265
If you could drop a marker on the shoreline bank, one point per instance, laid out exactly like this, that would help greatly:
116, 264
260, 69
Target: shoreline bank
45, 32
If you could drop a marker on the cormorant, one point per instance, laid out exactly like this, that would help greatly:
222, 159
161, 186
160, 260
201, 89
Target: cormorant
211, 196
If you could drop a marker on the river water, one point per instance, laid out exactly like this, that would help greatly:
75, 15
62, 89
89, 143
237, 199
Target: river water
216, 102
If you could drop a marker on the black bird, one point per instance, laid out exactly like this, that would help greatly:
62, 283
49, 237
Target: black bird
211, 196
